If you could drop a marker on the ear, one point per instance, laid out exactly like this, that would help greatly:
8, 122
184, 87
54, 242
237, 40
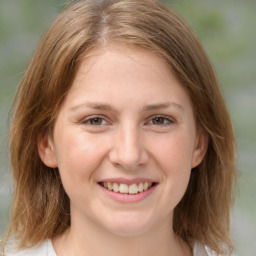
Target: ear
200, 149
46, 150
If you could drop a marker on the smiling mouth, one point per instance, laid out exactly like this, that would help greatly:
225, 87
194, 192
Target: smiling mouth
131, 189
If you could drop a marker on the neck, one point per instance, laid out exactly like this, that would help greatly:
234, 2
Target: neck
92, 240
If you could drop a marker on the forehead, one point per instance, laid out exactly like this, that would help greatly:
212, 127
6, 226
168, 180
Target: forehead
124, 54
116, 70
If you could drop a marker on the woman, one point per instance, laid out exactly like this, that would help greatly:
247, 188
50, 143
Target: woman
120, 141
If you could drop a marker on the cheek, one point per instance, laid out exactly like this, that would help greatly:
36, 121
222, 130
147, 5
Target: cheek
78, 156
174, 155
174, 152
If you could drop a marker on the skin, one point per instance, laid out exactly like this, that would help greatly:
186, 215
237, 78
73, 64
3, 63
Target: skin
145, 128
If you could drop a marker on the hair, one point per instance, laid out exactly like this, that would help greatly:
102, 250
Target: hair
40, 204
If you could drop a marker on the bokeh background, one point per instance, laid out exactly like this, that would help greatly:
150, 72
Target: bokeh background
227, 30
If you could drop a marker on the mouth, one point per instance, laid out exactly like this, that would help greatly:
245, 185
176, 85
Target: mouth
129, 189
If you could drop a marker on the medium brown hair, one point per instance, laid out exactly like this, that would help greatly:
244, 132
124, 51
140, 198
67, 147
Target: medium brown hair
40, 205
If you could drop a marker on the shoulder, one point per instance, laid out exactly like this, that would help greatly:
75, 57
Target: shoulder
202, 250
43, 249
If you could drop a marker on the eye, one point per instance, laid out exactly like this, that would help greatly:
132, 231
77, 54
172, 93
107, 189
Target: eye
160, 120
94, 121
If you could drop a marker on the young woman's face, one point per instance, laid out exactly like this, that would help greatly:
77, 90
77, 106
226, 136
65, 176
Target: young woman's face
124, 142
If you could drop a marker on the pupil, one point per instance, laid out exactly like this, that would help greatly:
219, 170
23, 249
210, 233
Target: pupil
96, 121
158, 120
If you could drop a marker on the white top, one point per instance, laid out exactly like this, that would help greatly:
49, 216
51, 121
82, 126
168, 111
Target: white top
46, 249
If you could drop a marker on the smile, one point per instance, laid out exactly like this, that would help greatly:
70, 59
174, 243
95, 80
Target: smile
127, 189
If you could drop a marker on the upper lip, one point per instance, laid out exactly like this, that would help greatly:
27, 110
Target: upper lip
127, 181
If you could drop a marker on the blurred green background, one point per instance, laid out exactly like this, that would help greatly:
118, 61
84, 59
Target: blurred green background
227, 30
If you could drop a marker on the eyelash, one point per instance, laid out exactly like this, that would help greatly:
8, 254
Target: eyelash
89, 119
165, 119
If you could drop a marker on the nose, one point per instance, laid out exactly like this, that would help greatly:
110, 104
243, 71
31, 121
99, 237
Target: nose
127, 150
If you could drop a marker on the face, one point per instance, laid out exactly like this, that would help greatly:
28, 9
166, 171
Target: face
124, 142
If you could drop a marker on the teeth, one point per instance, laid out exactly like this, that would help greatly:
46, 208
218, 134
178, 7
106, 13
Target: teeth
115, 187
141, 187
133, 189
127, 189
123, 188
145, 185
109, 186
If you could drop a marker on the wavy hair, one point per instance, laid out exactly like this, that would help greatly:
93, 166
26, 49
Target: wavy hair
40, 205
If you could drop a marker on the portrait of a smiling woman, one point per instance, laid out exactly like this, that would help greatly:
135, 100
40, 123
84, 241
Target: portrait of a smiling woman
120, 142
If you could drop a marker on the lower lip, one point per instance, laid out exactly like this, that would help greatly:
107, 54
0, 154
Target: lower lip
128, 198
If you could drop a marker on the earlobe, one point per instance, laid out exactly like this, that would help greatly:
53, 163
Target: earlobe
200, 149
46, 150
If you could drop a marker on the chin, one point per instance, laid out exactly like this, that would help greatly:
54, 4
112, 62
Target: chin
129, 225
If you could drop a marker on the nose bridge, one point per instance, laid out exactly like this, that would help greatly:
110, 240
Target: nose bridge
128, 150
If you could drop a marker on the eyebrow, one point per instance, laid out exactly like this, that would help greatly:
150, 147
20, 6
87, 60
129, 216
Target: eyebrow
163, 106
93, 105
107, 107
